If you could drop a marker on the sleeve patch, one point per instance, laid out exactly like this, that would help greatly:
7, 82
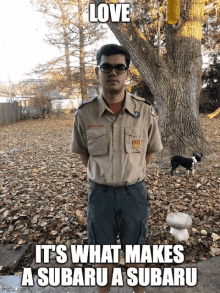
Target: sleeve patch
153, 112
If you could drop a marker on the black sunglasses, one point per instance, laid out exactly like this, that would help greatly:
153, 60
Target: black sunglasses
107, 68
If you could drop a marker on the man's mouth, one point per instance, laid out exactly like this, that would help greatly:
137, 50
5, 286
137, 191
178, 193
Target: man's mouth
112, 80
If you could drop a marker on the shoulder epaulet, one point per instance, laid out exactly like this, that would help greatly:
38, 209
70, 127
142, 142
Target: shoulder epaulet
86, 102
153, 112
137, 98
141, 99
147, 102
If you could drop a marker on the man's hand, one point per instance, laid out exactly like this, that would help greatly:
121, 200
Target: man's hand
84, 158
149, 157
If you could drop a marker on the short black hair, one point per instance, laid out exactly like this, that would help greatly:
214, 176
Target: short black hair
113, 49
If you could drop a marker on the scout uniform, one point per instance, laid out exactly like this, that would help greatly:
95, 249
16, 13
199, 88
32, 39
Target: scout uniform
117, 147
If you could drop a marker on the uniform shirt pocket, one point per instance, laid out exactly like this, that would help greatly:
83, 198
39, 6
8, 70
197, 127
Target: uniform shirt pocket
97, 142
135, 141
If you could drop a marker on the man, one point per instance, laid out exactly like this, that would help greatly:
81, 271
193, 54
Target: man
115, 135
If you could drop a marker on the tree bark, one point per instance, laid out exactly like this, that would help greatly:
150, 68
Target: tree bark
174, 79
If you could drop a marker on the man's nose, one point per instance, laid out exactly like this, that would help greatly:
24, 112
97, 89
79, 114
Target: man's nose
113, 72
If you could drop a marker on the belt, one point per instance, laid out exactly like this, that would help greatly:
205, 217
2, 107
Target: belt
93, 183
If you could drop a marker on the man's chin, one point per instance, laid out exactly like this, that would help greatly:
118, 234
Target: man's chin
114, 90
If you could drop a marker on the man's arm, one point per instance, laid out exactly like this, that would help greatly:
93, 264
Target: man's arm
149, 157
84, 158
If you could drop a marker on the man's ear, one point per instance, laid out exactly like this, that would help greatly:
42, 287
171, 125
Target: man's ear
97, 71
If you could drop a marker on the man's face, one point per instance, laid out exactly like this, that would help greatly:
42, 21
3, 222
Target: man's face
112, 82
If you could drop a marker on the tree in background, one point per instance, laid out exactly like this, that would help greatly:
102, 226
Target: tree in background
173, 73
211, 78
71, 32
40, 100
210, 98
37, 92
211, 25
4, 90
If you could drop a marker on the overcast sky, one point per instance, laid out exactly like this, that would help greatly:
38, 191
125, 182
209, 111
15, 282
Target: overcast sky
22, 33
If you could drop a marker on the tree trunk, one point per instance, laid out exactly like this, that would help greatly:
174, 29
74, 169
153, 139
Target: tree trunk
83, 83
174, 80
66, 42
67, 55
43, 113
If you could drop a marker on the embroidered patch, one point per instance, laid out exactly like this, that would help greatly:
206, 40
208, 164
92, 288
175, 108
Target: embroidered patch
136, 143
153, 113
136, 114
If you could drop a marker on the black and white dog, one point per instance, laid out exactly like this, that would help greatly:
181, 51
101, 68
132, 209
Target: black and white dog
187, 163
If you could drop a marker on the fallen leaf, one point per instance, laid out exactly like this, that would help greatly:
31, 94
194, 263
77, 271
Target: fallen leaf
215, 251
215, 237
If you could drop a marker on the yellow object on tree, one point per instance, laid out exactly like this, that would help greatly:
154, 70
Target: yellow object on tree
173, 11
212, 115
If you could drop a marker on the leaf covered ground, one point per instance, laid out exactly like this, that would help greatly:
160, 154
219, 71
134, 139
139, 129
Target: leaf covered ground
43, 190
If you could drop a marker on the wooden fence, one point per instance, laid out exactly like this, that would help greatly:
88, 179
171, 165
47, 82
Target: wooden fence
9, 113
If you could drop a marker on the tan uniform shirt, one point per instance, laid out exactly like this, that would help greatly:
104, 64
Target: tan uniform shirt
117, 146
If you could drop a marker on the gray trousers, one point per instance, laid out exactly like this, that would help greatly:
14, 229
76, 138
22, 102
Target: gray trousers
117, 210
